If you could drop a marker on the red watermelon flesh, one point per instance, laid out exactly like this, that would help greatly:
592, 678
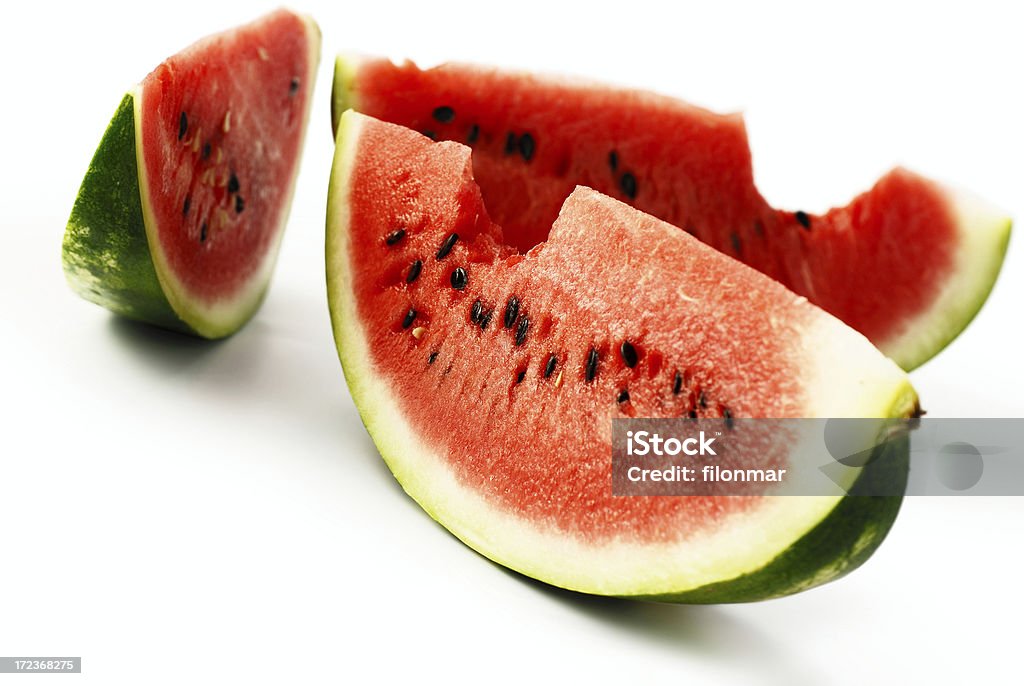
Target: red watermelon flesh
220, 129
907, 264
489, 378
221, 125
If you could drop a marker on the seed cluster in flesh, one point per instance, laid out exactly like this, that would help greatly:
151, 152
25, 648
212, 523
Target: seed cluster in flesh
214, 174
524, 144
625, 181
516, 320
516, 143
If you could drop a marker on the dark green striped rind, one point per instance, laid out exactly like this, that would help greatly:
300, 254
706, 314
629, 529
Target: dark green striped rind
836, 546
106, 254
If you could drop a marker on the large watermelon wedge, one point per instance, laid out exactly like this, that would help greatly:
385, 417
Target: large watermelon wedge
488, 379
908, 263
180, 215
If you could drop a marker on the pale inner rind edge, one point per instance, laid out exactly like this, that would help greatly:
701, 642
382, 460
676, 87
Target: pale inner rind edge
983, 232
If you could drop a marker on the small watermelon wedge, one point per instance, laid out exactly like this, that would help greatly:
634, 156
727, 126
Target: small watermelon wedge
489, 378
908, 263
181, 212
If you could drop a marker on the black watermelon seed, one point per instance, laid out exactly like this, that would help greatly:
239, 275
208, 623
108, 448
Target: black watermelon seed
692, 414
591, 370
476, 311
409, 318
628, 353
239, 204
485, 319
520, 376
188, 204
727, 415
526, 146
432, 357
414, 271
233, 183
524, 326
430, 134
511, 144
628, 185
207, 150
549, 368
446, 246
759, 227
613, 160
677, 384
474, 133
459, 278
623, 396
444, 114
293, 87
182, 126
703, 399
394, 236
737, 246
511, 311
202, 233
803, 219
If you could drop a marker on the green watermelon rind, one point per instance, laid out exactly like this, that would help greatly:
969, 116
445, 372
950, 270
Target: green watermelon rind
106, 252
343, 94
983, 230
833, 548
829, 537
112, 255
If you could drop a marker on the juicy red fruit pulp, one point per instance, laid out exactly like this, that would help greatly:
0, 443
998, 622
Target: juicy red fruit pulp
874, 263
511, 367
221, 128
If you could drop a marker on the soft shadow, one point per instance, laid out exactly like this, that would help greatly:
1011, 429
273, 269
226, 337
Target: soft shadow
168, 350
281, 364
711, 631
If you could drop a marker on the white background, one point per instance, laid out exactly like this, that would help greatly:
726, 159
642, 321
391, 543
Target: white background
180, 512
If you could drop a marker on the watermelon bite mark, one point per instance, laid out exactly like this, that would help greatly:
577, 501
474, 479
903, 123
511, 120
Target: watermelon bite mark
492, 403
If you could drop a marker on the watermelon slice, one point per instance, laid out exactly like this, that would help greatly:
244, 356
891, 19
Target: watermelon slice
180, 215
908, 264
488, 378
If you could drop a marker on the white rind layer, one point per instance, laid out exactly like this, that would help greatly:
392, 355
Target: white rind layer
224, 316
848, 377
744, 543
